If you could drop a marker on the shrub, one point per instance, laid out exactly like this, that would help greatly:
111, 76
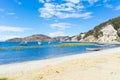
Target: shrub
90, 32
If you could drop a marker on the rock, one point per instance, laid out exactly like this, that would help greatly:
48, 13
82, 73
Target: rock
62, 38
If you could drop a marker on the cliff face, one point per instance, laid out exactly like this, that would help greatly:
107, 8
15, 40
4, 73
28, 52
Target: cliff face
109, 34
106, 32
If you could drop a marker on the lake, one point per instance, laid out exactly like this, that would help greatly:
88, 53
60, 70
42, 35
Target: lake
12, 52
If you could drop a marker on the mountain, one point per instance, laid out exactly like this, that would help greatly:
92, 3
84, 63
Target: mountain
15, 39
37, 37
108, 31
62, 38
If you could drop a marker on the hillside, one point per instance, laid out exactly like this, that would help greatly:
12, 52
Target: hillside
37, 37
108, 31
40, 37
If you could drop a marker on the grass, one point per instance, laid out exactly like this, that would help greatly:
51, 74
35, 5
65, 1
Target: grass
59, 45
57, 72
2, 49
6, 78
76, 44
34, 47
18, 48
23, 47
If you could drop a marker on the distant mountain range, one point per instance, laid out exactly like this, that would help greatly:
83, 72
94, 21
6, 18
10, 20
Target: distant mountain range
108, 31
39, 38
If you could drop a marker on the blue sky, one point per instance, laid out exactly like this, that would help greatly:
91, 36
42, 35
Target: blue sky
20, 18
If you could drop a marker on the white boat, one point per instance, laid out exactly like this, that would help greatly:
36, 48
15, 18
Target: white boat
93, 49
49, 42
23, 43
39, 43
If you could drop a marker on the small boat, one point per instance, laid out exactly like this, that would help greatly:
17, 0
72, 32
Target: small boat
39, 43
23, 43
49, 42
93, 49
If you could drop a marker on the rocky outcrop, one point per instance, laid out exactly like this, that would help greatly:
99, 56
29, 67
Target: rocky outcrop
109, 34
106, 32
62, 38
74, 38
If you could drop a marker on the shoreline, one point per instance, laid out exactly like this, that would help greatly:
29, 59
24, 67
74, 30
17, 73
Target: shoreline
15, 69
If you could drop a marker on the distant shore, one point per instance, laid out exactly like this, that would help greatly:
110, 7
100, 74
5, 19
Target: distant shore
99, 65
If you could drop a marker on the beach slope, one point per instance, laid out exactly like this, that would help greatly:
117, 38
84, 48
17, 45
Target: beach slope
99, 65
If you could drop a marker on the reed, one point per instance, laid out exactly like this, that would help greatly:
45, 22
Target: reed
2, 49
76, 44
18, 48
35, 47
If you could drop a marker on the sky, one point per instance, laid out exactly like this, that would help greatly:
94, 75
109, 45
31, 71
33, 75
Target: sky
20, 18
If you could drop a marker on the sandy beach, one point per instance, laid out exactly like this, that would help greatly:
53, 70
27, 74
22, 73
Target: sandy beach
99, 65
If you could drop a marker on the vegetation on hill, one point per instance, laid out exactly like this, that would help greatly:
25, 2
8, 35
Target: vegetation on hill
96, 31
79, 36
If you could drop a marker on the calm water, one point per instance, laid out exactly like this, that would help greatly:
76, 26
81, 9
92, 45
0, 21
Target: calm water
48, 50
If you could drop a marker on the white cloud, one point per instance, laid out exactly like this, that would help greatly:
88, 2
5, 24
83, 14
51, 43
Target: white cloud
69, 9
117, 7
57, 33
11, 13
60, 26
74, 1
5, 37
108, 6
2, 10
41, 1
19, 3
92, 1
12, 29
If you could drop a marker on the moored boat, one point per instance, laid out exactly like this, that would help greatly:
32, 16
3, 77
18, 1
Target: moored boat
23, 43
39, 43
93, 49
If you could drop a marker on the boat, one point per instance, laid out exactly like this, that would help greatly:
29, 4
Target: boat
23, 43
49, 42
39, 43
93, 49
